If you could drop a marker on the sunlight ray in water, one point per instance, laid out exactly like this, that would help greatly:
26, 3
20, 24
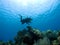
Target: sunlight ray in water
30, 7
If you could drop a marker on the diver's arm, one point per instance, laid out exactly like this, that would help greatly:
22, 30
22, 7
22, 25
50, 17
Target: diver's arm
20, 17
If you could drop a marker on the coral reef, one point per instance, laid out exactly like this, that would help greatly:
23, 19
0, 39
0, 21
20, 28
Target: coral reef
32, 36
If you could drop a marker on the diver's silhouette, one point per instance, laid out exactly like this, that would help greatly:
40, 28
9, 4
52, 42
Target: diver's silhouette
26, 20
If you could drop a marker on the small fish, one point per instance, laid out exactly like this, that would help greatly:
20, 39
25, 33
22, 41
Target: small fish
26, 20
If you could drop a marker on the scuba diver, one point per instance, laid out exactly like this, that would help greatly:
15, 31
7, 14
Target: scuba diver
26, 20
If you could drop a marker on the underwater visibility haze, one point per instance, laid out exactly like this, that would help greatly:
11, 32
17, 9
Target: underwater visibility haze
45, 15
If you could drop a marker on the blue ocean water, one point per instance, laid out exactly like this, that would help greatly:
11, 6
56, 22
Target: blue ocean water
10, 25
